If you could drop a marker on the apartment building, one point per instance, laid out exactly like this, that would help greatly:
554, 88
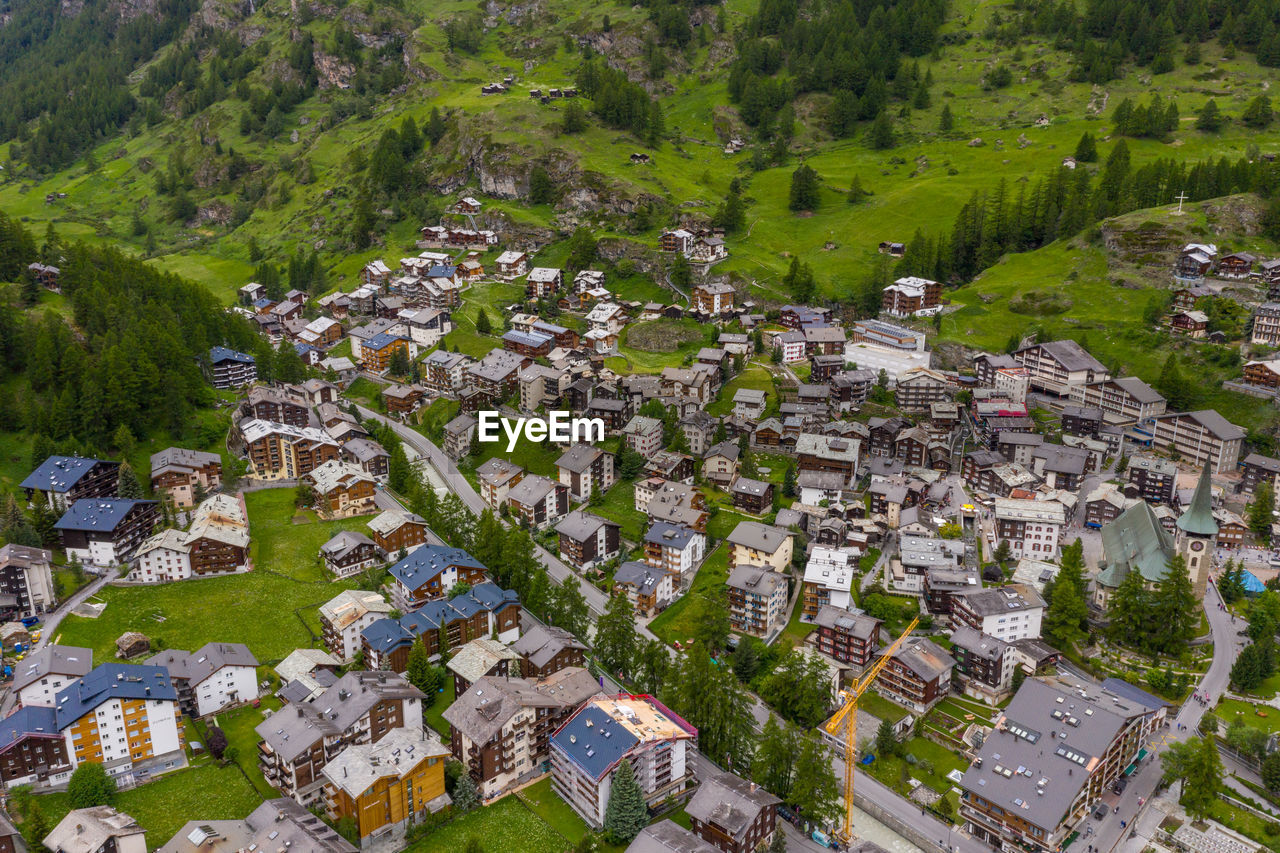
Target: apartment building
1155, 478
732, 814
850, 638
587, 540
497, 477
213, 678
1058, 366
755, 544
26, 575
1008, 613
486, 610
828, 579
1266, 325
217, 542
60, 481
341, 489
918, 675
231, 369
1200, 438
276, 405
106, 531
912, 296
1032, 528
41, 676
585, 469
757, 600
177, 472
538, 500
32, 750
281, 452
502, 727
124, 717
1125, 399
360, 708
984, 664
587, 749
1100, 730
430, 572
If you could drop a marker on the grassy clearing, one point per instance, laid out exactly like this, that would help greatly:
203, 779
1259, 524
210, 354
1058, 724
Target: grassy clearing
239, 727
268, 604
546, 804
508, 824
880, 707
619, 505
434, 713
752, 377
677, 621
201, 792
1259, 716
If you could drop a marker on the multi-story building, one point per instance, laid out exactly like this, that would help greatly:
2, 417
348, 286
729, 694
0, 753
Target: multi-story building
213, 678
341, 489
1100, 730
350, 552
281, 452
847, 637
715, 298
1266, 325
360, 708
648, 589
828, 579
538, 500
485, 610
585, 469
216, 543
918, 674
1008, 613
497, 477
32, 750
345, 616
542, 282
502, 727
887, 335
106, 531
398, 530
430, 572
1032, 528
1257, 469
177, 472
278, 405
643, 434
480, 658
231, 369
1202, 437
912, 296
124, 717
732, 814
1155, 478
675, 503
60, 481
386, 786
754, 544
1125, 399
1262, 374
587, 540
1059, 366
26, 576
920, 387
40, 676
445, 371
587, 749
545, 649
820, 452
983, 663
757, 600
376, 354
1104, 504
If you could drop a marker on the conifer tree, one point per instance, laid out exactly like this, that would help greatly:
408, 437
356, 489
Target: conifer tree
626, 813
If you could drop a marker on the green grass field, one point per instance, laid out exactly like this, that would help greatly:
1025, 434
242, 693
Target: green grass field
508, 824
264, 608
677, 621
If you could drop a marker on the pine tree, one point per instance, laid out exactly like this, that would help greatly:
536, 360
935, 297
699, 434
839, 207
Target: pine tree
1260, 511
814, 789
857, 194
886, 741
1129, 612
789, 481
626, 813
616, 637
881, 135
418, 669
127, 485
466, 797
436, 126
541, 190
1209, 119
1174, 608
484, 325
1258, 114
774, 761
804, 189
1086, 148
946, 122
1066, 617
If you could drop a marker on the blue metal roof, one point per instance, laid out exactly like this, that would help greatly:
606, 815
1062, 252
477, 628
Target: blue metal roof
492, 595
442, 272
112, 681
263, 302
1252, 585
381, 341
28, 720
218, 354
1125, 690
594, 740
59, 473
385, 635
96, 513
303, 349
429, 561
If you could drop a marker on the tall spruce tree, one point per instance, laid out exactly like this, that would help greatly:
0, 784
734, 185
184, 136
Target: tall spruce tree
626, 813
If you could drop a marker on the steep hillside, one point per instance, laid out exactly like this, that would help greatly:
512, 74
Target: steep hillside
267, 121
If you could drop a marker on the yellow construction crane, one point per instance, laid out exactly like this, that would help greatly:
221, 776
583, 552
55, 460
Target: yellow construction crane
848, 716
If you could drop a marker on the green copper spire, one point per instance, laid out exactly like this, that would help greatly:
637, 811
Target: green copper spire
1198, 519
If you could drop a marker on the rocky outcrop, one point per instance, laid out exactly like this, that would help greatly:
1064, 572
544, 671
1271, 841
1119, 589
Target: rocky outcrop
645, 258
213, 213
331, 72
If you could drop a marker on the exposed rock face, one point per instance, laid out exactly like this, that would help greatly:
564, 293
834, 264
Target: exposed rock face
126, 9
615, 249
209, 173
215, 212
332, 72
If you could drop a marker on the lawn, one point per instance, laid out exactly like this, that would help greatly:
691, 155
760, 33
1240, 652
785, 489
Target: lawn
619, 505
202, 792
264, 609
752, 377
1246, 823
677, 621
1233, 710
239, 725
546, 804
508, 824
881, 708
796, 629
434, 713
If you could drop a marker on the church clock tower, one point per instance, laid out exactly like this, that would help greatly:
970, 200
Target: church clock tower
1198, 534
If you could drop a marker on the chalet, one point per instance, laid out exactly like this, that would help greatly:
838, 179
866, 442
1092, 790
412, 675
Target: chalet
274, 404
483, 657
512, 264
546, 649
918, 675
679, 240
650, 590
1236, 265
531, 344
251, 293
398, 531
368, 456
1195, 261
749, 403
756, 544
1232, 530
713, 298
708, 250
538, 500
541, 282
341, 489
734, 344
1258, 469
496, 478
60, 481
827, 453
675, 503
586, 540
231, 369
483, 611
824, 340
1192, 324
674, 548
1262, 374
1266, 325
106, 531
688, 384
376, 273
912, 297
403, 399
349, 553
720, 465
376, 353
430, 572
1081, 420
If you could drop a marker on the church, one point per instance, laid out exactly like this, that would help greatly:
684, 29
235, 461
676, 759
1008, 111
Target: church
1136, 542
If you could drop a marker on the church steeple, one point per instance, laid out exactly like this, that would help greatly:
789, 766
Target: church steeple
1198, 519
